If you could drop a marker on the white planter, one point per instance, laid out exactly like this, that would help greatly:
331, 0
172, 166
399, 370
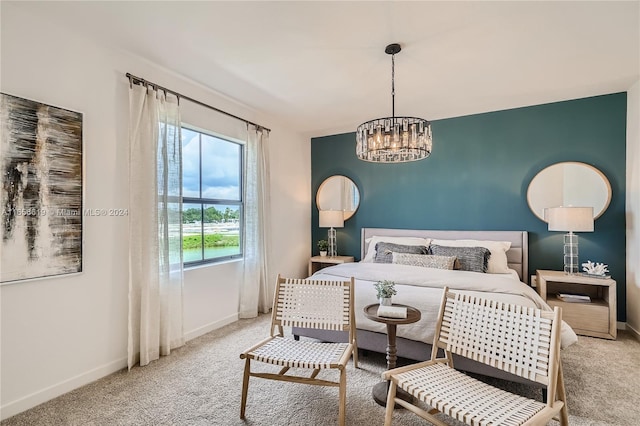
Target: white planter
385, 301
323, 253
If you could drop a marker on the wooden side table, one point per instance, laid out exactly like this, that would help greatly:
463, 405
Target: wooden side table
596, 318
381, 389
318, 262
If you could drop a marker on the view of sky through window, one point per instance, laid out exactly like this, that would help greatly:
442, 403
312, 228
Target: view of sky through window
220, 167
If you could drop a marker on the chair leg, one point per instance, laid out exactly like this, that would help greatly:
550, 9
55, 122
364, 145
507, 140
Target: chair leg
391, 402
355, 357
562, 396
343, 397
245, 387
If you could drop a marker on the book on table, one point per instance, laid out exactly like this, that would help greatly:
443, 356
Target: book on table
392, 311
574, 298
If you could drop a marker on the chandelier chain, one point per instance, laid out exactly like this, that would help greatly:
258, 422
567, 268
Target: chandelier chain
393, 87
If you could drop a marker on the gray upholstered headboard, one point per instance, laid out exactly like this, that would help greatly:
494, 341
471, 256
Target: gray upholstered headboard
517, 255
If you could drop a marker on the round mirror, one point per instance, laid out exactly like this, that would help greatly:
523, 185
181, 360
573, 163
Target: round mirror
569, 184
338, 193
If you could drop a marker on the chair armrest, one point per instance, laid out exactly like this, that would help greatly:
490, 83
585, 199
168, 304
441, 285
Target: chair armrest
243, 355
387, 374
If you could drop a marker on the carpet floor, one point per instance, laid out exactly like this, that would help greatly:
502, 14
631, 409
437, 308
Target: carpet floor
200, 384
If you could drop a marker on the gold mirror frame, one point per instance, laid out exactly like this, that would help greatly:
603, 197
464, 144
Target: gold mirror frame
338, 193
569, 184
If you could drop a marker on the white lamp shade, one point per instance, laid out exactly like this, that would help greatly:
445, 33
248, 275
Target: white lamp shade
331, 219
579, 219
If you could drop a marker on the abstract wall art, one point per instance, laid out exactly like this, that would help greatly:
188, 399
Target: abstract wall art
41, 193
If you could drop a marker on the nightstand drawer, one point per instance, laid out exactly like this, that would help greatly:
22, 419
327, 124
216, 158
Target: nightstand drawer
584, 317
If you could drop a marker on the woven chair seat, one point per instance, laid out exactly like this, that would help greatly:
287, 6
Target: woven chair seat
303, 354
465, 398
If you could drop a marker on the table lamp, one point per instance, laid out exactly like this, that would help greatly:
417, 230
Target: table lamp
570, 219
332, 219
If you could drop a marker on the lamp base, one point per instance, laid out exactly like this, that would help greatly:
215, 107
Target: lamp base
333, 243
570, 253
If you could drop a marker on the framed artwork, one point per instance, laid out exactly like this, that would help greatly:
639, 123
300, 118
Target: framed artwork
42, 190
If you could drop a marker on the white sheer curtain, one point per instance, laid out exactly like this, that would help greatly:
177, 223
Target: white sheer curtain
155, 235
256, 291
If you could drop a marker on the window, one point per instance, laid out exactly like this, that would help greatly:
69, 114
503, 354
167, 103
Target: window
212, 222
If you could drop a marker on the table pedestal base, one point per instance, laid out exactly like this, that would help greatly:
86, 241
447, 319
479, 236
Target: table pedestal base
380, 391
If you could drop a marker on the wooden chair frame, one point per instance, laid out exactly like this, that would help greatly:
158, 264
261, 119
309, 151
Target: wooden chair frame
324, 305
522, 341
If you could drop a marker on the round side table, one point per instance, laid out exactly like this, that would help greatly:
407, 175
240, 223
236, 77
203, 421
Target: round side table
380, 390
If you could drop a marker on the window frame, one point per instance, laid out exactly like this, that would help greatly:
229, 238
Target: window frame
202, 202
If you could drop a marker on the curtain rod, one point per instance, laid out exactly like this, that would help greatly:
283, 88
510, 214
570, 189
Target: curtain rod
134, 79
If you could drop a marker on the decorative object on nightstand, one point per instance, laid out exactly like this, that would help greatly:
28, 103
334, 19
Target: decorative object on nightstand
570, 219
332, 219
588, 303
322, 246
595, 269
385, 290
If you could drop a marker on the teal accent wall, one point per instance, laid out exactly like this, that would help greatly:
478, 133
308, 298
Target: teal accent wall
477, 178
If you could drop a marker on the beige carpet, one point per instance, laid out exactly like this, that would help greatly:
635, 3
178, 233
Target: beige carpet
200, 384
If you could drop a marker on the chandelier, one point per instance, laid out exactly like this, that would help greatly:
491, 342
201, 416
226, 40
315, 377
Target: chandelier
393, 139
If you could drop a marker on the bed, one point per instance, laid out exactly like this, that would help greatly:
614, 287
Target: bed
421, 287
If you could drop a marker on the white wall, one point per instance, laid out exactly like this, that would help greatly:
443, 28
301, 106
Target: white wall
60, 333
633, 208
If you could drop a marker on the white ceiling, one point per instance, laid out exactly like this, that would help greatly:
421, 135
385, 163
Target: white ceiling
321, 66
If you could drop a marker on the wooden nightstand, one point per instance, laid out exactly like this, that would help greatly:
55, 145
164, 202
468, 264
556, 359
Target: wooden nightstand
318, 262
596, 318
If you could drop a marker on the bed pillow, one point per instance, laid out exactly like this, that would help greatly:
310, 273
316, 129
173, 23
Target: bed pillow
498, 260
472, 259
425, 261
384, 251
409, 241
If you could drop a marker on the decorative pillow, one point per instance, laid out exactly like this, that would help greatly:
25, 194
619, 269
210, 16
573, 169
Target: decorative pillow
498, 260
426, 261
409, 241
384, 251
472, 259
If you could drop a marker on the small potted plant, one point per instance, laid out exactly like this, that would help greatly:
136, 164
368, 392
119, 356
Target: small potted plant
323, 245
385, 290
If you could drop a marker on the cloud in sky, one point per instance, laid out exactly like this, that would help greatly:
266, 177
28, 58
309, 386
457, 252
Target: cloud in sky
220, 166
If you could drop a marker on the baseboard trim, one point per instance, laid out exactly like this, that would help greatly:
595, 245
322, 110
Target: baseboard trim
635, 333
210, 327
621, 325
14, 407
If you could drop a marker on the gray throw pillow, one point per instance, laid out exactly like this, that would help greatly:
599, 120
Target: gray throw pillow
424, 260
474, 259
384, 251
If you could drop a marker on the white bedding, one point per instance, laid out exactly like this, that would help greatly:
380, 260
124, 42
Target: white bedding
422, 288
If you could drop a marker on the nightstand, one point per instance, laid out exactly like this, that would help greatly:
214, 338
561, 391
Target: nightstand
596, 318
318, 262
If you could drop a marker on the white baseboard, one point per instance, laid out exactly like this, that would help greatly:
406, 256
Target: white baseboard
633, 331
190, 335
621, 325
14, 407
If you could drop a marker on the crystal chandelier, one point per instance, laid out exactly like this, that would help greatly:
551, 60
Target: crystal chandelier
393, 139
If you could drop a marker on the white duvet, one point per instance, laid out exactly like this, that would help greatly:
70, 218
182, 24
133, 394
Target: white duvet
422, 288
